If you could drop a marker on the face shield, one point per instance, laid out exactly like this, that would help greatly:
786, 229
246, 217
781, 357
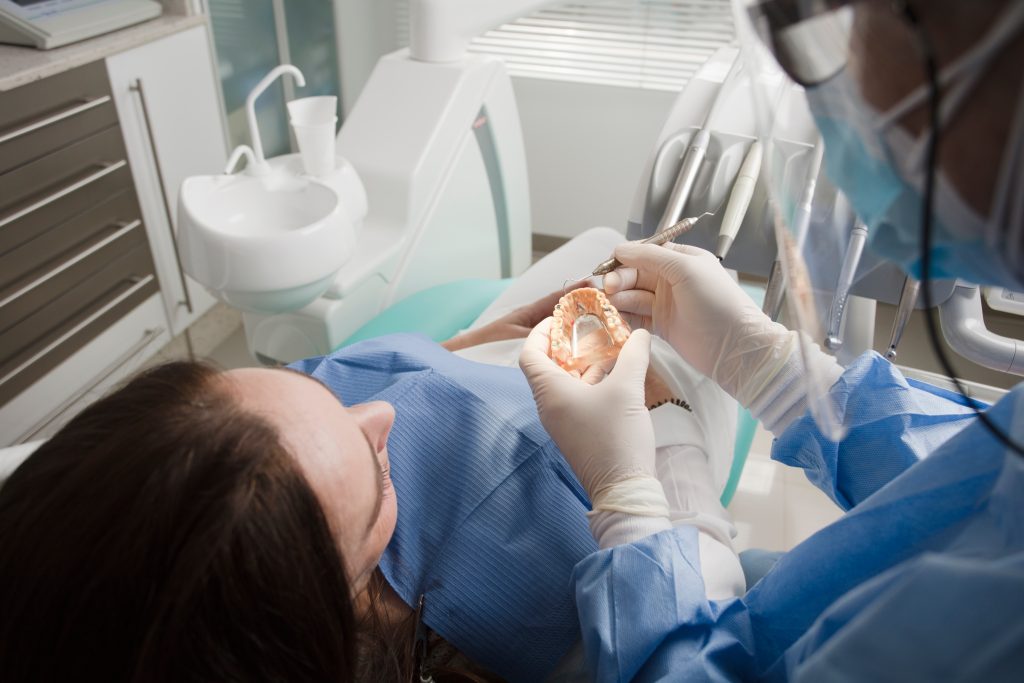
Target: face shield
812, 224
863, 66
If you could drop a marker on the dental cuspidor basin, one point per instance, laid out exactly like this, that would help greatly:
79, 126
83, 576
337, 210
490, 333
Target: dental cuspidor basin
264, 244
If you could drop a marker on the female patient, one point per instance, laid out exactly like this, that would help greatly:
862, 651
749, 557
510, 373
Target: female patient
198, 525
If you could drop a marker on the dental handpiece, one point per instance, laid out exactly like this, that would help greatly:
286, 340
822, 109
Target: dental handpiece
775, 291
854, 249
739, 200
658, 238
692, 160
908, 299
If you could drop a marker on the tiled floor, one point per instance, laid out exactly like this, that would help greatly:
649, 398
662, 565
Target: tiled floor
233, 352
775, 507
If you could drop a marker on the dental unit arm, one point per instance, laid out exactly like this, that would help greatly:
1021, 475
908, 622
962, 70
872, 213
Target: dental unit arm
963, 327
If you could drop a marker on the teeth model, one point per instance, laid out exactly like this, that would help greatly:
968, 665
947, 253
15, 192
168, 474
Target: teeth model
587, 330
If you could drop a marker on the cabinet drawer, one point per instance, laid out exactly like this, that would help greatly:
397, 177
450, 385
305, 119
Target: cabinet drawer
49, 335
44, 116
41, 252
23, 188
71, 275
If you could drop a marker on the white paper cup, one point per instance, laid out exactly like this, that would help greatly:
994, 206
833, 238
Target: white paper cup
316, 145
308, 111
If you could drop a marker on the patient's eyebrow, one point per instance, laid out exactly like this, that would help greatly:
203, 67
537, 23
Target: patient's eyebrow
379, 502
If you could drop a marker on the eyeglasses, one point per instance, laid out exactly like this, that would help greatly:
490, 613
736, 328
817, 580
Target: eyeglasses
809, 38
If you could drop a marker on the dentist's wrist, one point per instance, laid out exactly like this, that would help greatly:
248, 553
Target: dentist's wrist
782, 400
619, 528
628, 510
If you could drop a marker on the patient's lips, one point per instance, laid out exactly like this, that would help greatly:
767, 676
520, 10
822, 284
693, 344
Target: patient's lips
587, 330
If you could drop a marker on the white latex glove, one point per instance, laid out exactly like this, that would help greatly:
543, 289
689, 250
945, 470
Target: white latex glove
600, 423
684, 295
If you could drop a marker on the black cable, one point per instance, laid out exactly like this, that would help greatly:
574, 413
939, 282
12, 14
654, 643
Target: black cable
927, 207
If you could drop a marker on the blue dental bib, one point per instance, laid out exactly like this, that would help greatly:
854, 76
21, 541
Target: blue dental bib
491, 519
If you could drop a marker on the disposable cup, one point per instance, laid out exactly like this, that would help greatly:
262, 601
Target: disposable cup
309, 111
316, 145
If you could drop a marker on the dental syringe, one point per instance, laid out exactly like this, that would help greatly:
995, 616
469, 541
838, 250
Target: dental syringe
669, 233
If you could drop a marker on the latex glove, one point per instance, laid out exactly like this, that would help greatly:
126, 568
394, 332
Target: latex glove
600, 423
683, 294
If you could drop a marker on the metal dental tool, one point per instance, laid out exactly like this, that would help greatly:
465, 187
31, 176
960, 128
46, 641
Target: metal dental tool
659, 238
692, 161
908, 299
694, 156
775, 289
739, 199
854, 249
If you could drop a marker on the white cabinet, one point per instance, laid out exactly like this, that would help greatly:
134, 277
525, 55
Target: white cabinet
166, 94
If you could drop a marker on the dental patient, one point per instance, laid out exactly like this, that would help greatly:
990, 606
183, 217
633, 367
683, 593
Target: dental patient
392, 510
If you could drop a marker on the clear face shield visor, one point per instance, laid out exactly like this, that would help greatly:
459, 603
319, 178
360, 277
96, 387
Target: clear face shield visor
812, 223
808, 38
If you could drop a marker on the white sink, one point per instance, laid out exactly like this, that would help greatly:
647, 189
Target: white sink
264, 244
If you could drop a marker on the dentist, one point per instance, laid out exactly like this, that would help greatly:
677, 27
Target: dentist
921, 107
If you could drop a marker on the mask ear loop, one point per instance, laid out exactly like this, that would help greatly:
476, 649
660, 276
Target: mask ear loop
1004, 30
927, 204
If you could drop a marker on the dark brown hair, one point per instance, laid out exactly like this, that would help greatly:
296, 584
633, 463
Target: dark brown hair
165, 535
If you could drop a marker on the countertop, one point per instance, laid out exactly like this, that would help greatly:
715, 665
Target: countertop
21, 65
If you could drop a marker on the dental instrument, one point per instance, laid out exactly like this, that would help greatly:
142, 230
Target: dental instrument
776, 288
659, 238
694, 158
908, 299
854, 249
739, 199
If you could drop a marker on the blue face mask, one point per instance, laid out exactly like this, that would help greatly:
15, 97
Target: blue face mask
879, 168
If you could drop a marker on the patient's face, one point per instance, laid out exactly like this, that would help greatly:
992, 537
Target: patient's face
342, 452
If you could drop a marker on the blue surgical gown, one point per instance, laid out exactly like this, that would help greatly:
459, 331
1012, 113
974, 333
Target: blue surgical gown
921, 579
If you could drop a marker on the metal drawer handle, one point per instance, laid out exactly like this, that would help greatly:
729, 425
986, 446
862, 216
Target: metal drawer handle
136, 87
73, 110
96, 315
77, 258
106, 170
147, 337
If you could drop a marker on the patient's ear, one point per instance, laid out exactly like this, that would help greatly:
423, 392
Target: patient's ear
374, 419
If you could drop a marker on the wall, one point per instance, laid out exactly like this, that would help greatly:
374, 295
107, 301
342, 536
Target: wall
585, 144
585, 148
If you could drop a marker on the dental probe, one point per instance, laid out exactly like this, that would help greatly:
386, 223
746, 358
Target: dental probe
739, 199
908, 299
659, 238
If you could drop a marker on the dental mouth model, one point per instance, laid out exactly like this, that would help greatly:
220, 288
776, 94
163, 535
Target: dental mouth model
587, 330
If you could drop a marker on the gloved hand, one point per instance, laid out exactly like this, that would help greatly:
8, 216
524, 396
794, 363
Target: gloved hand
600, 423
683, 294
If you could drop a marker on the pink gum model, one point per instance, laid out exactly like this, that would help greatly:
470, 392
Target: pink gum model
572, 307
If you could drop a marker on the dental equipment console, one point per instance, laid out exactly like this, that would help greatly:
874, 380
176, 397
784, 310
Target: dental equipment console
730, 147
419, 195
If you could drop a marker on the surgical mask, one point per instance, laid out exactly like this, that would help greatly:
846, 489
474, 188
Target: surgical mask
881, 169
